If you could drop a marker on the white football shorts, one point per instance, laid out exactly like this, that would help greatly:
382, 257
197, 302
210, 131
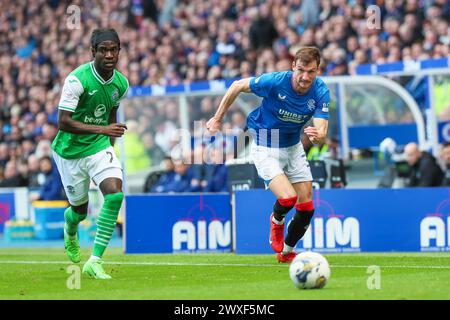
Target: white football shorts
76, 174
271, 162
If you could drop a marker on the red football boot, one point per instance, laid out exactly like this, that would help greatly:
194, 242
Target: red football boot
286, 258
276, 235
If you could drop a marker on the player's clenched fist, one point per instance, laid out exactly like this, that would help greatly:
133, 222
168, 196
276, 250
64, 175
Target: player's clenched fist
213, 125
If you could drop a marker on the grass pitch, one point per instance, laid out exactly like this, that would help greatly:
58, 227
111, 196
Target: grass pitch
47, 274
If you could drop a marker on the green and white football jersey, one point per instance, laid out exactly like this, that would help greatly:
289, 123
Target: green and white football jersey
91, 100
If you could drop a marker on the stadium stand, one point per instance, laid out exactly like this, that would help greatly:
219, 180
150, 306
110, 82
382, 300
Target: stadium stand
175, 42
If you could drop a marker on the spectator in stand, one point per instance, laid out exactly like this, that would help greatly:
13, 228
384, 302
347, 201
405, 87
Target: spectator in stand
49, 131
238, 122
326, 150
177, 182
159, 177
22, 168
43, 149
445, 159
27, 148
33, 171
165, 131
12, 177
262, 31
51, 188
418, 88
154, 152
4, 154
425, 171
136, 158
215, 173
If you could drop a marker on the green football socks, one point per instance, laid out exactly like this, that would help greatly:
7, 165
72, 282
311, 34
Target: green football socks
72, 219
71, 245
106, 222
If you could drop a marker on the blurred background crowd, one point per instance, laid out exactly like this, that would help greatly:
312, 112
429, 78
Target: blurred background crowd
179, 41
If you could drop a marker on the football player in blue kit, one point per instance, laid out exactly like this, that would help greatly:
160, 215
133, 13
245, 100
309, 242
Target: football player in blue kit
290, 100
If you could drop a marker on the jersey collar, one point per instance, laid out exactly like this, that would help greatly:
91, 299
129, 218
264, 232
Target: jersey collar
99, 77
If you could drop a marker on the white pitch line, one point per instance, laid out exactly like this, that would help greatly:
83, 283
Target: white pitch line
400, 267
149, 263
215, 264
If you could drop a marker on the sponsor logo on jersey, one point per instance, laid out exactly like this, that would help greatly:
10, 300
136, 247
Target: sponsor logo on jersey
100, 110
92, 92
257, 80
96, 121
291, 116
325, 107
311, 104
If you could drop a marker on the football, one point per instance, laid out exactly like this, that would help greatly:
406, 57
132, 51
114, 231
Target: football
309, 270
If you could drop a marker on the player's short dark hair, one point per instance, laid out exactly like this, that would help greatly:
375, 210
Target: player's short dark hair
103, 34
307, 55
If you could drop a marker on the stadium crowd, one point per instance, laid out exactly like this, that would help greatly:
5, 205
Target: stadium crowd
173, 42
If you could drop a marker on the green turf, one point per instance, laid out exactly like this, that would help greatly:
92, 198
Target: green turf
220, 277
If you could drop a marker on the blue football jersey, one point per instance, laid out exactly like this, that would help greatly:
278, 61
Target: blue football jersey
283, 109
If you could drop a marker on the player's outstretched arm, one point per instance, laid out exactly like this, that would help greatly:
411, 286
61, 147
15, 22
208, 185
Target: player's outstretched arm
318, 133
66, 123
214, 124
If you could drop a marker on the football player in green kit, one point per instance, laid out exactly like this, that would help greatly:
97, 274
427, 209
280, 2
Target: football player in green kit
83, 149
